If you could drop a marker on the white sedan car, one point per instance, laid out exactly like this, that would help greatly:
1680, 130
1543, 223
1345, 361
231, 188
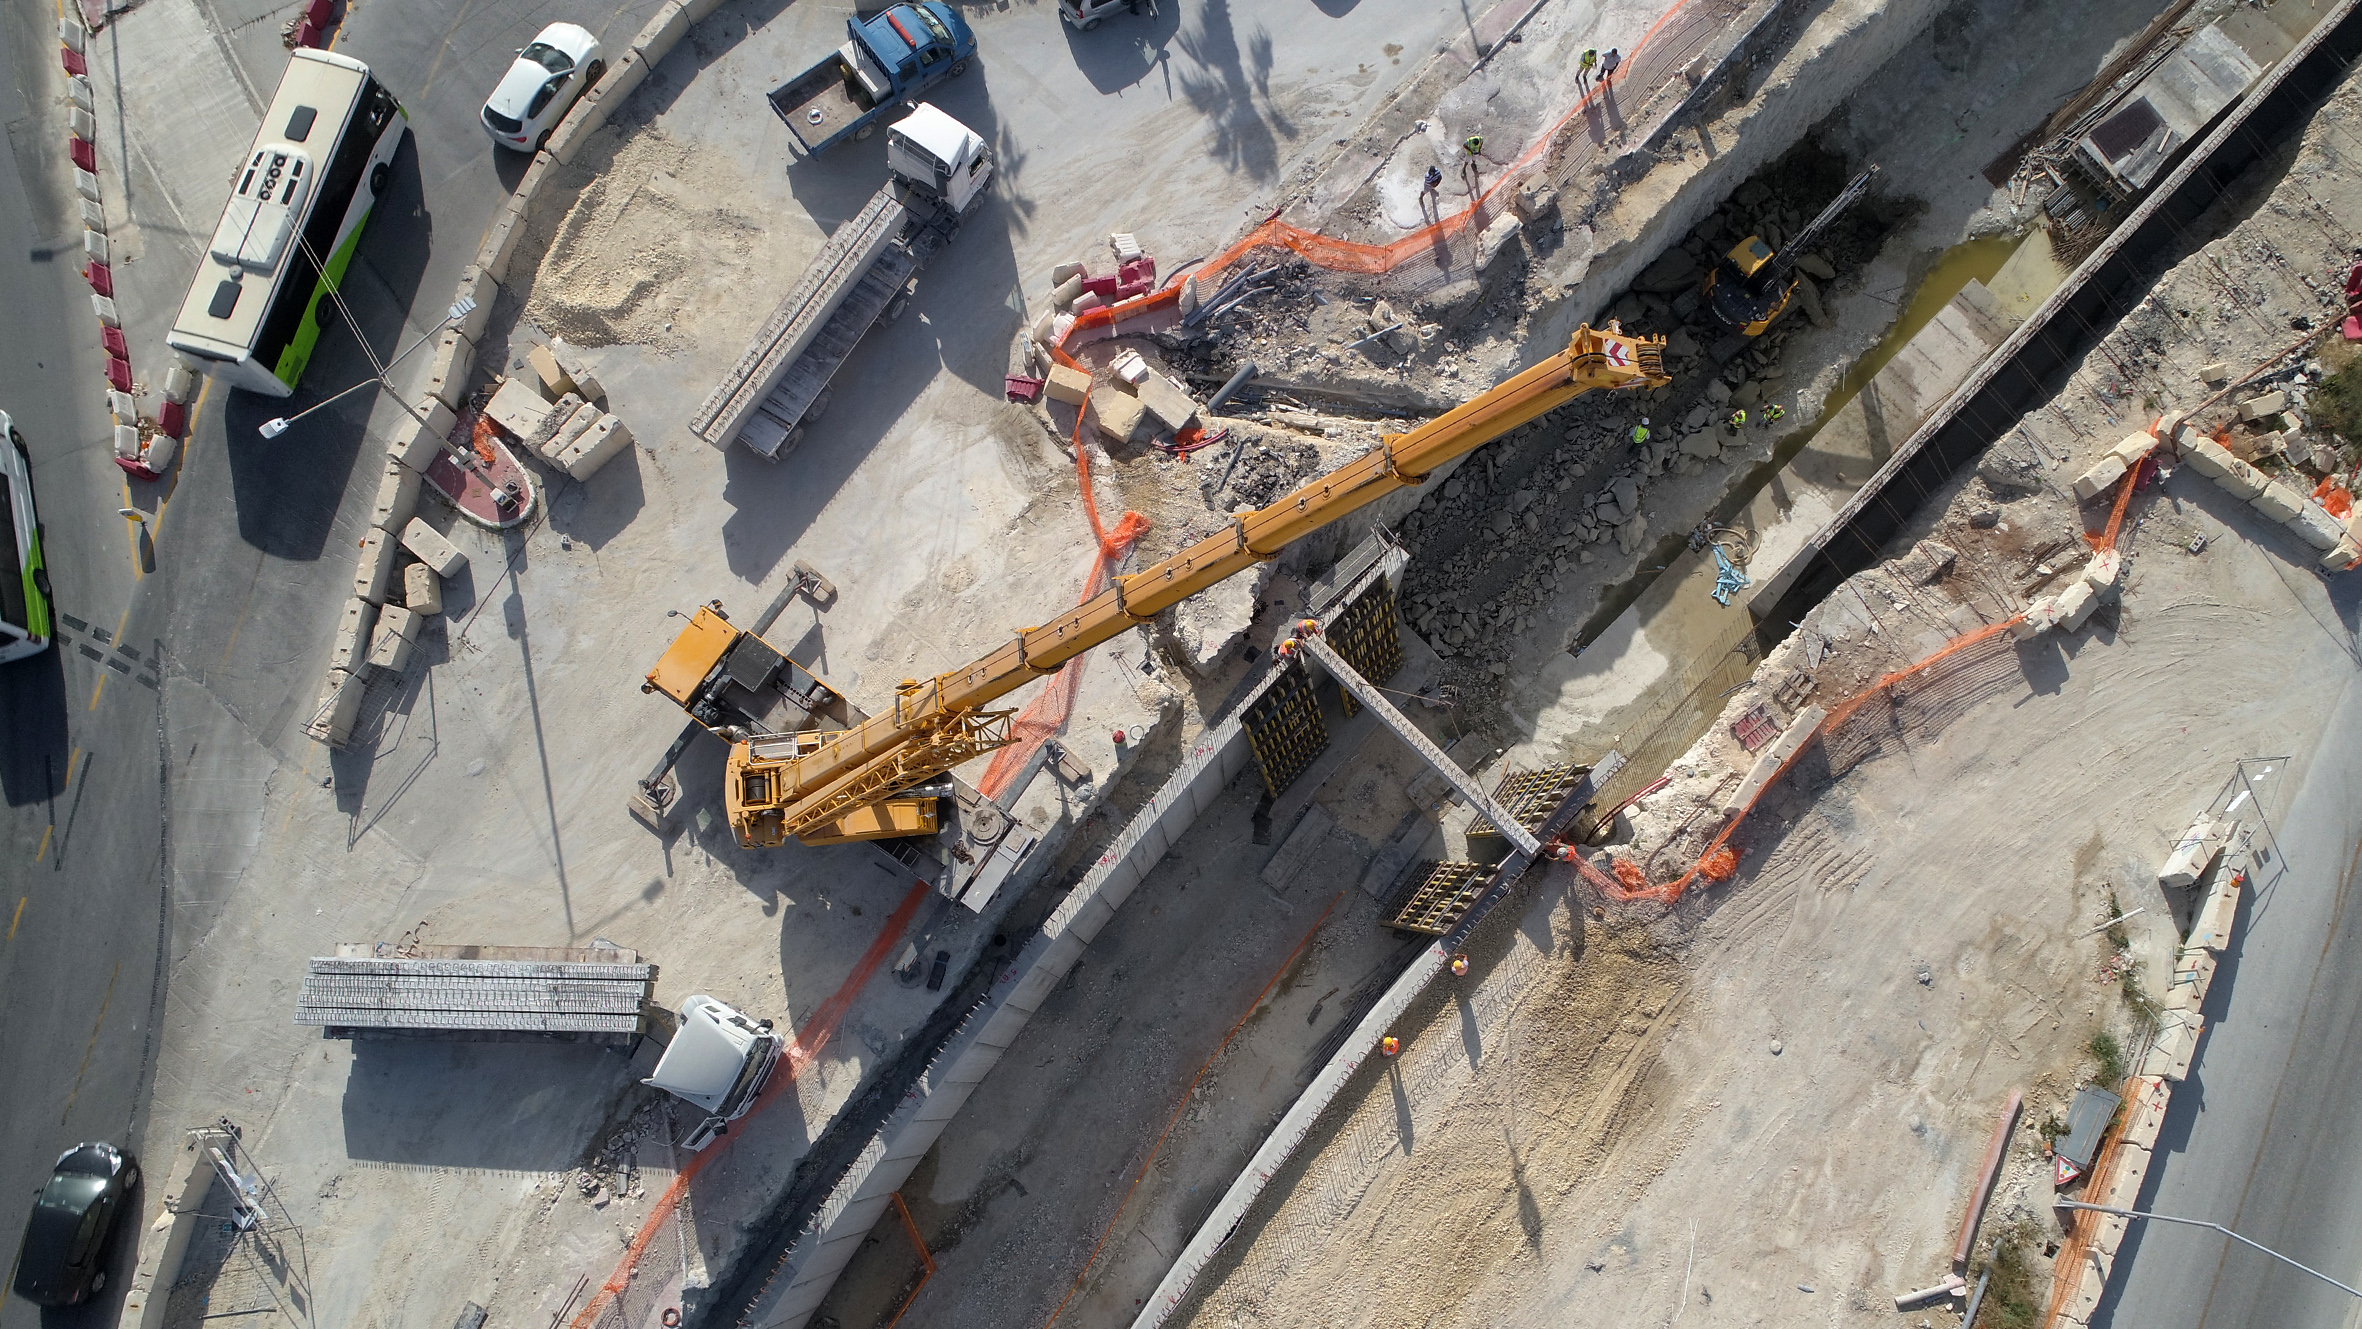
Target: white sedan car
558, 67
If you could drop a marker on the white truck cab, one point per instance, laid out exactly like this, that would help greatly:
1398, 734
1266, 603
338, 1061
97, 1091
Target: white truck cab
937, 154
719, 1061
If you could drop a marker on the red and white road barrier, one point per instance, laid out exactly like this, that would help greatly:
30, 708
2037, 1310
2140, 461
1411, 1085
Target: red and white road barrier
143, 447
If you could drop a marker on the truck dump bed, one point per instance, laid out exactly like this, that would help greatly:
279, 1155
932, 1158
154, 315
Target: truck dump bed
805, 321
821, 103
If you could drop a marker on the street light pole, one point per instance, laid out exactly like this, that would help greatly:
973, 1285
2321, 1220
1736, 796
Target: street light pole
2200, 1222
463, 307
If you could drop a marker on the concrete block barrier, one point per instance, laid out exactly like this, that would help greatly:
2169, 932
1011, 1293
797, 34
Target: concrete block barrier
2145, 1099
2125, 1174
2090, 1285
339, 708
622, 80
502, 238
432, 549
2176, 1045
397, 497
2313, 525
2278, 502
662, 31
2240, 480
2101, 478
416, 446
595, 448
581, 422
577, 366
2075, 605
2270, 403
2104, 572
2193, 853
422, 590
483, 288
2220, 913
1768, 762
2343, 557
351, 648
187, 1186
397, 636
545, 434
517, 408
376, 565
699, 10
448, 368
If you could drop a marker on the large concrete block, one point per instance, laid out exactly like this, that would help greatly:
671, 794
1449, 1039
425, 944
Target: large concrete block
1068, 384
566, 142
414, 444
2176, 1046
2313, 524
621, 81
1123, 418
2075, 605
397, 496
449, 367
2218, 916
2240, 480
556, 383
432, 549
1497, 239
377, 563
2343, 557
2193, 853
2145, 1099
338, 708
2127, 1169
545, 434
482, 287
397, 636
2132, 449
1768, 762
2104, 570
351, 648
2101, 478
2207, 456
595, 448
577, 366
663, 30
1167, 401
581, 422
2256, 408
2040, 617
2193, 974
422, 590
517, 408
2278, 502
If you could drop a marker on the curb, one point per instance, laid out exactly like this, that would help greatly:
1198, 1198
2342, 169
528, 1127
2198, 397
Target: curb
452, 365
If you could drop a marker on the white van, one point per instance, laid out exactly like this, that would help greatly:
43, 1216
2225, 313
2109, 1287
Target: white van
24, 578
718, 1060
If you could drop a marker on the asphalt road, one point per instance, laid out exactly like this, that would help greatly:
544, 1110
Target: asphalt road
210, 622
2261, 1137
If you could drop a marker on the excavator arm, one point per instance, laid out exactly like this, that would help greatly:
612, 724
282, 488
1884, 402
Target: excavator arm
780, 789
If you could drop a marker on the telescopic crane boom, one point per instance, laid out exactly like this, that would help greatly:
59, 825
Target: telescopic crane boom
794, 785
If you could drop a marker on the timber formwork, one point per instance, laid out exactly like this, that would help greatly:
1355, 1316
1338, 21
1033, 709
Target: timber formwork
1442, 899
1284, 728
1530, 797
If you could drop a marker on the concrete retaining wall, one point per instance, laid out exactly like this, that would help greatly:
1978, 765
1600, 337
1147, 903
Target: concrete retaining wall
2062, 329
809, 1266
162, 1245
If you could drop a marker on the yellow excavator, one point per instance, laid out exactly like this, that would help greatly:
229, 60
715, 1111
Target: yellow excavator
822, 784
1750, 286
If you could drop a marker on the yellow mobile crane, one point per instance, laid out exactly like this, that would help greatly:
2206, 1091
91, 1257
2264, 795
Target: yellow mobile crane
808, 784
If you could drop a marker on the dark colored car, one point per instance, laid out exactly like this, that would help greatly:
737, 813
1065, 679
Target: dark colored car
64, 1256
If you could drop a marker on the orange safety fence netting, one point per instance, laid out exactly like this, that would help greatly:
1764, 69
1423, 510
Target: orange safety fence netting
1625, 880
2334, 498
616, 1302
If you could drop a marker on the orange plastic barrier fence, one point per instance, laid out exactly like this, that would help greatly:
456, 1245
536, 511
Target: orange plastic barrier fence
1626, 880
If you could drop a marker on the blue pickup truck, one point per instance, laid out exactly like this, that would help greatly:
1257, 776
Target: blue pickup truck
886, 60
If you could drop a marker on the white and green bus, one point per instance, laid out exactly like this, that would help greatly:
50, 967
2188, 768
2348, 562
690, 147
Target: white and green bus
24, 581
323, 155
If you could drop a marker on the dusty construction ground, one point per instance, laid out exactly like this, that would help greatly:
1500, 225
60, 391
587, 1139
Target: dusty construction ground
1464, 1188
1787, 1135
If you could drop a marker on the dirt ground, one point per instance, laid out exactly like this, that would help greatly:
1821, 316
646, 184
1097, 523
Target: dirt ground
1912, 930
